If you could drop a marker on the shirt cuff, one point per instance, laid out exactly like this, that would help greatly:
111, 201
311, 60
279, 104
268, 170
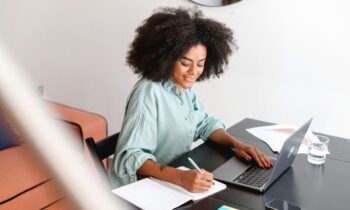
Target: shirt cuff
211, 128
136, 160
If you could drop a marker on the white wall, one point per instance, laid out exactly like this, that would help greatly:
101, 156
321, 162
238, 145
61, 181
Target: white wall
291, 63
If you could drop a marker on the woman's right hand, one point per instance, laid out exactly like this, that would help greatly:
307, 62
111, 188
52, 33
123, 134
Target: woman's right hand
195, 181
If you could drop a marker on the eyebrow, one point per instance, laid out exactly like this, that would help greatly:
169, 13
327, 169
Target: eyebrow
189, 59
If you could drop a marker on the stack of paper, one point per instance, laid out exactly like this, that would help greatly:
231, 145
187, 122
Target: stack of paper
276, 135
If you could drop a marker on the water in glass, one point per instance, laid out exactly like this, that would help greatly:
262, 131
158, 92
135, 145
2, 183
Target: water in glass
318, 149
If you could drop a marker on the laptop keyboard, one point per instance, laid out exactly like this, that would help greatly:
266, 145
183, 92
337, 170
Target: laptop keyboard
254, 176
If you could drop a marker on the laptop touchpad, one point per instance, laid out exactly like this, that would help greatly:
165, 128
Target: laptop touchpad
230, 169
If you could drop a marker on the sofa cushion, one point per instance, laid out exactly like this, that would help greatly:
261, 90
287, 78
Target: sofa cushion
25, 182
39, 197
20, 171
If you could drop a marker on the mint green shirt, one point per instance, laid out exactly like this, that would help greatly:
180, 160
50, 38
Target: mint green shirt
159, 125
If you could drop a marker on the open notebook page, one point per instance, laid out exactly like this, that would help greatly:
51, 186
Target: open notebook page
148, 194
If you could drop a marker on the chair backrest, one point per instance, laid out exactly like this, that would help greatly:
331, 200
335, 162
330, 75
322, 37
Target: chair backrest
101, 150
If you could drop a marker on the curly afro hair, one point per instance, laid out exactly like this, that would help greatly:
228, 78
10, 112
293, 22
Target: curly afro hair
169, 33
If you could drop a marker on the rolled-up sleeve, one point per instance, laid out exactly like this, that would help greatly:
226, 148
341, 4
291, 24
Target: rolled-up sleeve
136, 143
205, 124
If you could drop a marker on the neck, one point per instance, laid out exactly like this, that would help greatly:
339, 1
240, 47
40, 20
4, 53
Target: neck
179, 90
178, 87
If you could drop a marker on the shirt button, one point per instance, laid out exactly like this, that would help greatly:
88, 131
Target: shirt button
185, 118
187, 147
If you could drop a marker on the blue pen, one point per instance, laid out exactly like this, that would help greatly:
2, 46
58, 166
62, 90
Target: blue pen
194, 165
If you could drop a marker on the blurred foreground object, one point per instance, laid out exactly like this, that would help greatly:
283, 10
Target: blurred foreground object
49, 143
25, 182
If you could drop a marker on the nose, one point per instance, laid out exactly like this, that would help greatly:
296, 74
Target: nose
193, 70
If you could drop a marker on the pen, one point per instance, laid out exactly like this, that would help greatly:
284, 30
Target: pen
194, 165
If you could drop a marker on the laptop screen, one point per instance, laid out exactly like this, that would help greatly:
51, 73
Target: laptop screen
288, 152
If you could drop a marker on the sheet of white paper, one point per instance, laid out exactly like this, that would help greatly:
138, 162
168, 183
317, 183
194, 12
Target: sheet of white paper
150, 191
276, 135
150, 195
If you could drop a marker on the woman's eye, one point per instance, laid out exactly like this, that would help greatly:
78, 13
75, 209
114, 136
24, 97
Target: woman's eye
200, 65
185, 64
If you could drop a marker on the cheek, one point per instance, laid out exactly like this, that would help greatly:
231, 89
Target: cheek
180, 70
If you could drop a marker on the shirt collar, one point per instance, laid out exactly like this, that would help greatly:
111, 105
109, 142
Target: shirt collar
170, 86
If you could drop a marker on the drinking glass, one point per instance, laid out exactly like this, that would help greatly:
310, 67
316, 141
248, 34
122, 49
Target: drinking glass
317, 150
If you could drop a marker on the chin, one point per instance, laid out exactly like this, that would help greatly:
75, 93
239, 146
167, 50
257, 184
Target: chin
187, 86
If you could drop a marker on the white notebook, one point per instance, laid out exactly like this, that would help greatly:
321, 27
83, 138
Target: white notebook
151, 193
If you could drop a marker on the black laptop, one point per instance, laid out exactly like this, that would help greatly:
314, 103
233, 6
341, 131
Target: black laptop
250, 175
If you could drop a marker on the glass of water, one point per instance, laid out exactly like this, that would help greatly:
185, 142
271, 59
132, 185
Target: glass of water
318, 149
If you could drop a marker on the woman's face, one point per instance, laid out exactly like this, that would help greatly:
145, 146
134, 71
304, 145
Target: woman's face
189, 67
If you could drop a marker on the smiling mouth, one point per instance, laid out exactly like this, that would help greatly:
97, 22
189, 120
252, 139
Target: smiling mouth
190, 79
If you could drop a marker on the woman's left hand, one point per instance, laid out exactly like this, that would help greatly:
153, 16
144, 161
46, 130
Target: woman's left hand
248, 152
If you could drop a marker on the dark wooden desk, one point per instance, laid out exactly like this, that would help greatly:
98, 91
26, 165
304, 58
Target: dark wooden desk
338, 147
305, 185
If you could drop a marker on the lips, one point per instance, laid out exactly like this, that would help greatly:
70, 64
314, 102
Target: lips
190, 79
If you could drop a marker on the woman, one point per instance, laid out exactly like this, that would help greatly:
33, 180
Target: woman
172, 50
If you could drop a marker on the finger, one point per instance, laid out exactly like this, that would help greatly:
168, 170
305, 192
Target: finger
205, 183
264, 159
243, 154
207, 176
200, 188
271, 162
268, 160
197, 187
256, 155
201, 181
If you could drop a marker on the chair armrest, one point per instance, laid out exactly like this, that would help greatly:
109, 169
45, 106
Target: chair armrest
86, 124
